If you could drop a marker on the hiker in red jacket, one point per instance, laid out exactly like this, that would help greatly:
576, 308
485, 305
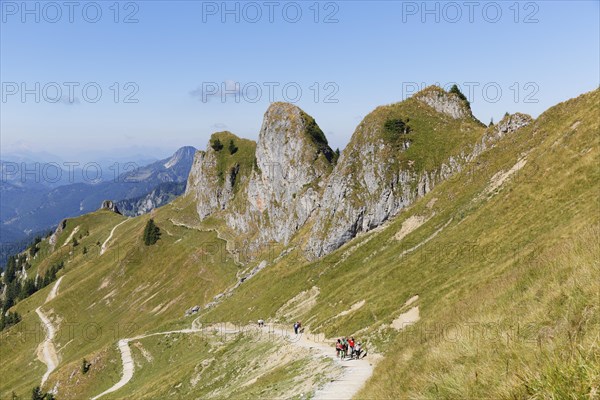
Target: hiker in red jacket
351, 347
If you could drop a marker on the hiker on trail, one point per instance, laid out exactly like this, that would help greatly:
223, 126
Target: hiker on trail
351, 347
338, 348
362, 350
300, 328
296, 327
358, 350
344, 348
261, 323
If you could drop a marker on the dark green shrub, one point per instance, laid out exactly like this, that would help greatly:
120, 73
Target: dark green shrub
217, 145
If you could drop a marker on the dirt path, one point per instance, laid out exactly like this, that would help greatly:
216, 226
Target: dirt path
46, 350
355, 372
105, 244
127, 359
75, 230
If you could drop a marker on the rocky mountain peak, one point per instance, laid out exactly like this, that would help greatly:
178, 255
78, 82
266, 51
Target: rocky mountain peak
110, 206
293, 179
293, 160
512, 122
444, 102
291, 152
183, 154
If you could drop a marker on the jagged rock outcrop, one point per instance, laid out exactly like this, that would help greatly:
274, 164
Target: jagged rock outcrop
291, 178
373, 180
220, 171
280, 188
512, 122
54, 237
110, 206
293, 158
159, 196
443, 102
509, 124
203, 184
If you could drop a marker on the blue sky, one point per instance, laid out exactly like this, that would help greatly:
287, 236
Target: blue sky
536, 53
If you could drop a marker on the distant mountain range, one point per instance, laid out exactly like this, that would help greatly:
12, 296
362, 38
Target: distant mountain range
30, 205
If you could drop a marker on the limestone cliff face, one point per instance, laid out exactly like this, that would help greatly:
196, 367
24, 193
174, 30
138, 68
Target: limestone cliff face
109, 205
375, 177
276, 187
224, 165
293, 160
159, 196
444, 102
371, 184
203, 184
290, 178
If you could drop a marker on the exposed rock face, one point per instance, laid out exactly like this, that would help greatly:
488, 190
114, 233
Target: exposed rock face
509, 124
295, 179
221, 171
203, 183
512, 122
279, 190
109, 205
293, 157
54, 237
444, 102
161, 195
369, 185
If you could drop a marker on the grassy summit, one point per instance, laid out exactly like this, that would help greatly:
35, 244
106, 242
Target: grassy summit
235, 154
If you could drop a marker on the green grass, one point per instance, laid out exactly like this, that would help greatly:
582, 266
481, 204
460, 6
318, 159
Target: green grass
243, 158
478, 271
509, 289
216, 366
130, 289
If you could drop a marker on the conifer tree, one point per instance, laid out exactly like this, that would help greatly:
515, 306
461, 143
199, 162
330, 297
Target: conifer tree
151, 233
454, 89
232, 147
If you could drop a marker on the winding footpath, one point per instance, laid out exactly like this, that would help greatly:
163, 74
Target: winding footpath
46, 351
355, 372
127, 359
354, 376
105, 244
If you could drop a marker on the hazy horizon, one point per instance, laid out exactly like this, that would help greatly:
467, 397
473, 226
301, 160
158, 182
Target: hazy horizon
165, 88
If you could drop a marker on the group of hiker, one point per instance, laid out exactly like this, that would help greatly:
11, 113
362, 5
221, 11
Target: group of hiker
345, 347
349, 348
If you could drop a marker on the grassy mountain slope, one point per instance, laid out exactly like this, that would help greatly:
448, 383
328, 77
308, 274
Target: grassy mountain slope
524, 253
503, 257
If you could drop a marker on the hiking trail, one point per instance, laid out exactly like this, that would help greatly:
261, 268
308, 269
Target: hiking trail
355, 372
46, 350
105, 244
